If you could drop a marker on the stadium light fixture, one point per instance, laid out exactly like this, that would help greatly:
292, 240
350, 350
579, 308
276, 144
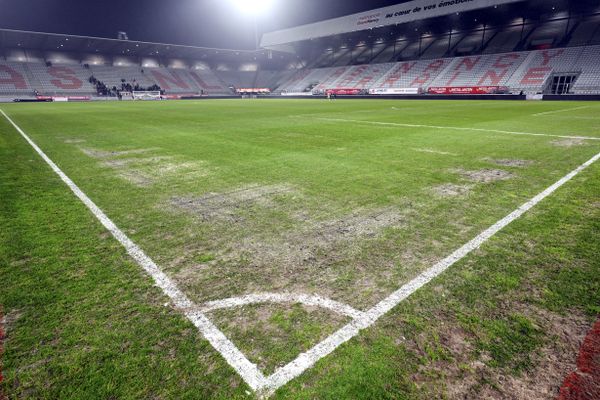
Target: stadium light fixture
253, 7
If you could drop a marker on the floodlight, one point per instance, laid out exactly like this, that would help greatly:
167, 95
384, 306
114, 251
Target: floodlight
253, 7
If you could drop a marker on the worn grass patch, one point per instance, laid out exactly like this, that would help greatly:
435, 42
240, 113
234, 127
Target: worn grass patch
230, 205
568, 142
484, 175
510, 162
147, 170
451, 190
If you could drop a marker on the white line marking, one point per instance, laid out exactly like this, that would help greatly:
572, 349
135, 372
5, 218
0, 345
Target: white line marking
432, 151
307, 360
309, 300
560, 111
248, 371
457, 128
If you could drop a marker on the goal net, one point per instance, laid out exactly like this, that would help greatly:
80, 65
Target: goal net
146, 95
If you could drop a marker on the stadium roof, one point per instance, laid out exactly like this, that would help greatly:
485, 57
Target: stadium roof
118, 47
381, 17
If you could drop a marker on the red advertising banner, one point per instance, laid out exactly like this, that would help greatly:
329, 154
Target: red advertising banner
344, 92
468, 90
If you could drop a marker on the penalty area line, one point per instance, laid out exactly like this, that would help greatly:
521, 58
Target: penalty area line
560, 111
234, 357
457, 128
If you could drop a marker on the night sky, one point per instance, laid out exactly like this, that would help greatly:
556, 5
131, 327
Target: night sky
210, 23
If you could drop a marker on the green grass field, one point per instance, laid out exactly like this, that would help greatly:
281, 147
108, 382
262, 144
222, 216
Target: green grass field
347, 200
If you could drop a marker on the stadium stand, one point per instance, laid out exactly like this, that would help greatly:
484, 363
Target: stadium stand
272, 79
14, 80
207, 81
483, 70
55, 80
527, 71
525, 53
181, 81
112, 76
589, 80
331, 79
362, 77
412, 74
297, 82
25, 78
532, 75
305, 80
237, 79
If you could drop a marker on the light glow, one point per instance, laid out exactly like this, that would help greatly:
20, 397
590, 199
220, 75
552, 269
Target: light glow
253, 7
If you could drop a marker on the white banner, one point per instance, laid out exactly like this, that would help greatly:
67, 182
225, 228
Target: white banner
296, 94
394, 91
398, 14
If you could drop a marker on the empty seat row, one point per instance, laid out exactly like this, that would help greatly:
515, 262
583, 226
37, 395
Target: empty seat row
29, 78
526, 71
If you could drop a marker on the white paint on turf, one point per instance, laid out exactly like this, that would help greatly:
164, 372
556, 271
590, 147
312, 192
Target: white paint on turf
456, 128
432, 151
560, 111
282, 298
266, 386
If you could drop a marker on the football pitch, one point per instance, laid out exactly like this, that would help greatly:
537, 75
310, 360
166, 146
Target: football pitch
297, 249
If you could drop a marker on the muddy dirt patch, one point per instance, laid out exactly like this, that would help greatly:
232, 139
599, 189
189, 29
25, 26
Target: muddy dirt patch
155, 170
8, 321
509, 162
287, 246
136, 178
227, 205
568, 142
556, 359
318, 243
451, 190
484, 175
469, 377
146, 171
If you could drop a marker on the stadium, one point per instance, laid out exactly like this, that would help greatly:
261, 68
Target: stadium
300, 199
